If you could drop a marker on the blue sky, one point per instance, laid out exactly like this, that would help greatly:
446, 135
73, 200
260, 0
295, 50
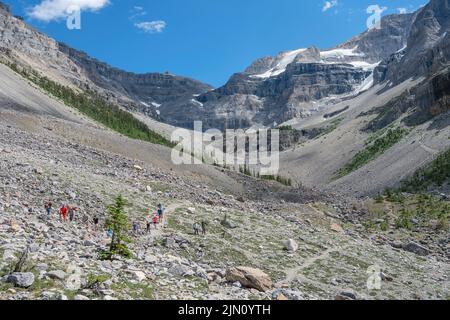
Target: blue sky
204, 39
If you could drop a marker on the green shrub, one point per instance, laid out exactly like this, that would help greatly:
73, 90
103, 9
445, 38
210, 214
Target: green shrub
97, 108
372, 151
118, 223
436, 173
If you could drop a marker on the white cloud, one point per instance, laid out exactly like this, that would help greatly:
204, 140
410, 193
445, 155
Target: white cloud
152, 26
136, 12
402, 10
49, 10
329, 4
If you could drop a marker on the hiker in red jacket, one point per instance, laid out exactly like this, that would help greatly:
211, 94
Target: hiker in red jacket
63, 213
155, 221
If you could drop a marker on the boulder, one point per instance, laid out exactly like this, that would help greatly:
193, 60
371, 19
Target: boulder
89, 243
336, 228
73, 283
180, 270
21, 279
250, 278
138, 275
291, 246
346, 295
56, 274
9, 255
416, 248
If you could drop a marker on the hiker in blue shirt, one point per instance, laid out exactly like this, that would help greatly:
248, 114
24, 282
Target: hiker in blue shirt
160, 211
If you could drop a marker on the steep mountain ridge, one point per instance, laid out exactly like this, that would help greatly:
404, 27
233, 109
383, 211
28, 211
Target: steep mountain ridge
427, 57
24, 45
295, 84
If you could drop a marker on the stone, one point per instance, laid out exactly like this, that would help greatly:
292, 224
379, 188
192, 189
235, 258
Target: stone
281, 297
228, 224
89, 243
73, 282
291, 246
416, 248
386, 277
8, 255
21, 279
180, 270
250, 278
56, 274
150, 259
62, 297
138, 275
14, 226
80, 297
191, 210
336, 228
346, 295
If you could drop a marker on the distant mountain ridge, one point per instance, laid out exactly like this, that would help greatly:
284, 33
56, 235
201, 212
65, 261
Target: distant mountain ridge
292, 85
26, 46
295, 84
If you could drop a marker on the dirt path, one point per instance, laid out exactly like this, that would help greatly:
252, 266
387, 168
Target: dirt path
294, 273
170, 209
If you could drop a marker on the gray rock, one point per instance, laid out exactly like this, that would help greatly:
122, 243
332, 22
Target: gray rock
416, 249
291, 246
180, 270
21, 279
56, 274
346, 295
89, 243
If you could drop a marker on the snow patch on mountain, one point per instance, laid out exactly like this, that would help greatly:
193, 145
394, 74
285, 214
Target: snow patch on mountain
284, 59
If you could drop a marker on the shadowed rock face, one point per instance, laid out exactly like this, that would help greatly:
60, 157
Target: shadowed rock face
427, 55
151, 87
427, 48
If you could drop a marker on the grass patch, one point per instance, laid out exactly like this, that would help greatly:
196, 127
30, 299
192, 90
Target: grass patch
436, 173
372, 151
280, 179
409, 212
137, 291
333, 126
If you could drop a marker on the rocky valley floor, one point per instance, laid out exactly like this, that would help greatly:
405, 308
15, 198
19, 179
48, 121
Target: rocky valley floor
330, 251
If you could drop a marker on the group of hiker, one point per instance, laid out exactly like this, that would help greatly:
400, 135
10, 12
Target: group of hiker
67, 213
153, 219
200, 228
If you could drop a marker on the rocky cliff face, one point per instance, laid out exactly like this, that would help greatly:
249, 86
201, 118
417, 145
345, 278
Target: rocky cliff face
427, 56
295, 83
150, 90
